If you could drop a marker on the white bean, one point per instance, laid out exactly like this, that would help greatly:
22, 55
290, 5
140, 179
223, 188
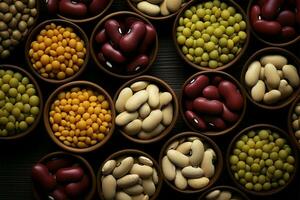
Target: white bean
291, 74
213, 195
128, 180
152, 121
139, 85
134, 127
168, 169
258, 91
123, 196
252, 73
207, 164
163, 8
272, 77
167, 113
153, 99
277, 60
144, 111
192, 172
125, 117
136, 100
177, 158
108, 167
109, 186
285, 89
124, 95
144, 171
173, 5
185, 147
180, 181
124, 167
148, 8
149, 187
198, 183
164, 99
197, 149
134, 190
272, 97
145, 161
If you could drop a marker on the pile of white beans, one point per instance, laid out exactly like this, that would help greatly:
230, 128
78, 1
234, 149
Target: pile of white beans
129, 178
271, 79
296, 121
144, 111
222, 195
189, 164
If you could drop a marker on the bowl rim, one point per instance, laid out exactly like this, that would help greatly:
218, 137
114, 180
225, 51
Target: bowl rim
282, 133
269, 51
282, 44
162, 84
82, 160
81, 84
39, 94
229, 64
223, 187
290, 120
212, 144
214, 133
80, 33
152, 55
128, 152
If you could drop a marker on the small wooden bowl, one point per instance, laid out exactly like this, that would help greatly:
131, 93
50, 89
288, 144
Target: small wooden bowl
227, 77
165, 87
93, 45
199, 67
67, 86
64, 23
39, 94
292, 59
231, 189
282, 134
206, 140
290, 121
134, 153
270, 40
83, 162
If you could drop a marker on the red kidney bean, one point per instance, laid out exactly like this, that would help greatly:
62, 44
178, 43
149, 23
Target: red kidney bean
78, 188
113, 30
195, 86
59, 194
233, 98
69, 174
112, 54
42, 177
298, 12
135, 35
271, 8
288, 32
130, 20
254, 14
137, 63
286, 18
267, 27
195, 120
216, 122
148, 39
261, 3
216, 80
97, 6
188, 104
72, 8
56, 164
52, 6
229, 116
202, 105
211, 92
101, 37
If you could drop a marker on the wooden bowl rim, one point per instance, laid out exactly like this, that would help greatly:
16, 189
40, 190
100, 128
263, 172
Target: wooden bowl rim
289, 122
224, 187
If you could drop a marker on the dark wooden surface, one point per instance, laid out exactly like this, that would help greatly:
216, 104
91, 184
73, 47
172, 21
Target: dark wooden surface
17, 158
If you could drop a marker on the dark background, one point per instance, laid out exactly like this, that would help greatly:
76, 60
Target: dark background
16, 158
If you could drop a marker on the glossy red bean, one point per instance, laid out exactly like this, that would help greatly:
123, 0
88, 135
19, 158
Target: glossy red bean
101, 37
112, 54
55, 164
229, 116
52, 6
216, 123
149, 39
78, 188
97, 6
138, 63
130, 20
130, 41
231, 94
113, 31
42, 177
254, 14
205, 106
72, 8
194, 88
286, 18
211, 92
271, 8
267, 27
59, 194
69, 174
216, 80
188, 104
195, 120
288, 32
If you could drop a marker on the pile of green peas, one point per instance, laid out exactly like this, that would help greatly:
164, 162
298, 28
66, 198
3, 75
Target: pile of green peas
19, 103
211, 34
262, 160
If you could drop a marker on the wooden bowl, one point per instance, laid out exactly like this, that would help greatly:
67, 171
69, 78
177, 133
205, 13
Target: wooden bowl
227, 77
209, 143
95, 47
199, 67
270, 40
292, 59
165, 87
290, 121
283, 134
134, 153
231, 189
83, 162
68, 86
64, 23
39, 94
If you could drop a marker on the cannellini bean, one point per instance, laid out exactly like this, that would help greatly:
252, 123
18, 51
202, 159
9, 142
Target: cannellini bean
167, 114
128, 180
168, 169
139, 85
173, 145
277, 60
192, 172
173, 5
144, 171
180, 181
163, 8
123, 196
177, 158
155, 176
164, 99
207, 164
140, 197
108, 167
185, 147
149, 187
197, 149
147, 135
198, 183
145, 161
272, 77
253, 73
148, 8
134, 190
109, 186
133, 127
152, 121
124, 167
213, 195
144, 110
136, 100
291, 74
125, 117
124, 95
224, 195
153, 92
272, 97
285, 89
258, 91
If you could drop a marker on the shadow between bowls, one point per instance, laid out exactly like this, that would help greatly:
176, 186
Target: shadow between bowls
290, 121
205, 140
292, 59
162, 85
133, 153
39, 94
63, 23
84, 163
198, 67
265, 41
211, 73
225, 188
83, 85
121, 15
282, 134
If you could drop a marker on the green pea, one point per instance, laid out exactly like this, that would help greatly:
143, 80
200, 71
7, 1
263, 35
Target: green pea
34, 110
21, 89
290, 168
25, 81
290, 159
249, 186
255, 167
238, 17
275, 185
241, 173
245, 148
213, 64
243, 25
188, 13
236, 176
189, 42
224, 58
206, 37
198, 60
257, 187
6, 78
190, 57
282, 154
213, 19
242, 35
243, 181
265, 155
240, 144
271, 169
197, 34
223, 6
216, 3
199, 51
5, 87
9, 106
214, 54
29, 120
186, 32
249, 160
23, 125
241, 165
180, 40
13, 92
236, 27
14, 82
16, 112
236, 152
236, 40
10, 126
193, 9
188, 24
278, 174
200, 42
199, 25
206, 18
18, 76
26, 108
231, 21
191, 51
255, 179
230, 56
200, 13
258, 152
224, 23
195, 18
205, 57
209, 46
225, 14
267, 186
234, 159
25, 98
3, 120
229, 30
11, 118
